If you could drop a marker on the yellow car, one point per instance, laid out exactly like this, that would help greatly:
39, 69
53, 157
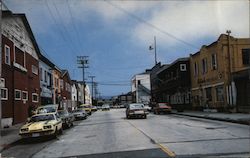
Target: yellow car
39, 125
87, 108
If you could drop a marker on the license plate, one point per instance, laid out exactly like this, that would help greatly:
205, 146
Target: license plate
139, 112
35, 134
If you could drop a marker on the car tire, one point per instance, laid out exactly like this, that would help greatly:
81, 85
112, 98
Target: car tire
128, 117
145, 116
61, 131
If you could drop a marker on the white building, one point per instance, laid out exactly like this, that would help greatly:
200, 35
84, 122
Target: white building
141, 88
87, 94
46, 82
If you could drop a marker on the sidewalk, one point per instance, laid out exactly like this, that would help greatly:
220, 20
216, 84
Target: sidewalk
9, 136
240, 118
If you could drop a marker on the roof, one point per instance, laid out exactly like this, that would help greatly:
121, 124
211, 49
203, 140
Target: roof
65, 72
173, 63
8, 13
46, 60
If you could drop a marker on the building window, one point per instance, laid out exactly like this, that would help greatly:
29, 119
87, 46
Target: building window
246, 56
34, 69
219, 93
209, 94
17, 94
19, 56
34, 97
25, 95
41, 74
4, 94
61, 83
7, 54
196, 69
214, 62
204, 65
45, 76
183, 67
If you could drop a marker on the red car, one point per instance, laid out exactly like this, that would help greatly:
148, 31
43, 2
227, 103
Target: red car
162, 108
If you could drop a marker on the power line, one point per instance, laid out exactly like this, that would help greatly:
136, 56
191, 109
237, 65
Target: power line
63, 26
74, 25
151, 25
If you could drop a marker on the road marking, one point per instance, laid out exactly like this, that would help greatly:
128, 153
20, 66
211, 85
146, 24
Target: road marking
166, 150
162, 147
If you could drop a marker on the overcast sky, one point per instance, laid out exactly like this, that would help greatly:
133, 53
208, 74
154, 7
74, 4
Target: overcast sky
116, 34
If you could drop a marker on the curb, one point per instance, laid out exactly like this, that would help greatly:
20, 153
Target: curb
244, 122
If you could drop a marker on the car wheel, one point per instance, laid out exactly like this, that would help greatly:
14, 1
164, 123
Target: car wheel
145, 116
61, 131
128, 117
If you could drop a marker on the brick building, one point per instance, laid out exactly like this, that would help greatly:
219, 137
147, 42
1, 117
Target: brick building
20, 72
65, 88
220, 75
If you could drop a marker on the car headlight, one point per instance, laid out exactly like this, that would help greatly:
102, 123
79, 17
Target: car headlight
47, 127
24, 130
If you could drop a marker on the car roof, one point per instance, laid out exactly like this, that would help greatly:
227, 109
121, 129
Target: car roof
49, 105
53, 113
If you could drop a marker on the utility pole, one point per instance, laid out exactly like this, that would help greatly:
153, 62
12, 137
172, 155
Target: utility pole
0, 62
92, 88
229, 69
154, 47
83, 62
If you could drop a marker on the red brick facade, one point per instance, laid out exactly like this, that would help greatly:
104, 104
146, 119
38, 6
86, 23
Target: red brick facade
17, 79
19, 68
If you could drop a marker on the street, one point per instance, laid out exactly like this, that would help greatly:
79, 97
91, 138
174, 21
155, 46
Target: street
110, 134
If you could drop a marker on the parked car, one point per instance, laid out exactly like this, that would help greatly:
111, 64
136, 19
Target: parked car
93, 108
148, 108
39, 125
136, 110
105, 107
50, 108
79, 114
162, 108
67, 118
87, 108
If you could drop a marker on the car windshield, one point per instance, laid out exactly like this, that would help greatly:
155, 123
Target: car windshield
46, 110
136, 106
63, 112
38, 118
162, 104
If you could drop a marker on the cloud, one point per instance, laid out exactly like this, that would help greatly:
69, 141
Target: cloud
192, 21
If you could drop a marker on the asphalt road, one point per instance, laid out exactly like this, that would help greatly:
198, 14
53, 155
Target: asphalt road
108, 134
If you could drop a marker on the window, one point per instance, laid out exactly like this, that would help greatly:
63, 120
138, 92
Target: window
45, 76
204, 65
209, 94
219, 93
183, 67
7, 54
196, 69
214, 62
4, 94
61, 83
41, 74
25, 95
34, 97
34, 69
19, 57
139, 82
246, 56
17, 94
